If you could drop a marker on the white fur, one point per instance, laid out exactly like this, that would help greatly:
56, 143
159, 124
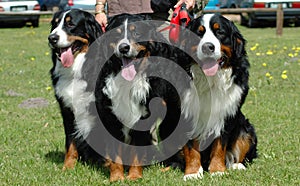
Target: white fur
126, 97
211, 98
209, 101
71, 88
237, 166
63, 37
198, 175
132, 51
208, 37
72, 91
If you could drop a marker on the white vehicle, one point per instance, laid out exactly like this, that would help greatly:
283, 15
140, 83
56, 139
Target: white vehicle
291, 10
19, 6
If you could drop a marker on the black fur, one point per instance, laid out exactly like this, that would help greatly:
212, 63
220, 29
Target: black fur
236, 125
84, 25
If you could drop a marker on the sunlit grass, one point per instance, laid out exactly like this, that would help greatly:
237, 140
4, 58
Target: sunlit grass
32, 140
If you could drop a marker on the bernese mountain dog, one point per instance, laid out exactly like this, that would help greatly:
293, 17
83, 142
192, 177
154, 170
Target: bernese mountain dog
127, 83
72, 33
220, 76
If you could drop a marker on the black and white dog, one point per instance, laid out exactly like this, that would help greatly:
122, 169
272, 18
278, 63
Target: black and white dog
72, 33
125, 87
220, 86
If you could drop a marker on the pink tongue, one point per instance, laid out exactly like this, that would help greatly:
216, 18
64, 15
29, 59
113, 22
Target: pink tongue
210, 68
67, 58
128, 72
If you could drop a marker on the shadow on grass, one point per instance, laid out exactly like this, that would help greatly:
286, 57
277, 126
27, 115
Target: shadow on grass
57, 157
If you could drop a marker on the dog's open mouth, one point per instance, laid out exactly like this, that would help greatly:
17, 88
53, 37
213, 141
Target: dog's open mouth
210, 66
128, 70
66, 55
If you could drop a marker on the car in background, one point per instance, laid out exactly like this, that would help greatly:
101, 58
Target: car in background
291, 11
79, 4
49, 5
230, 3
212, 5
19, 6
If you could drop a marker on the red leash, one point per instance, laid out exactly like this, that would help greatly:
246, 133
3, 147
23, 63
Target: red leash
180, 17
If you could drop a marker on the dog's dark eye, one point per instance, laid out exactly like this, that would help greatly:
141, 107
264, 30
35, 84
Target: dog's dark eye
136, 34
220, 33
201, 31
70, 24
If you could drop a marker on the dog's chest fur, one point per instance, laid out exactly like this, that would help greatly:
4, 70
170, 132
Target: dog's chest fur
72, 90
210, 101
128, 99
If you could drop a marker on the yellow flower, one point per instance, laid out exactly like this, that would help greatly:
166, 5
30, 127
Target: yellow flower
271, 77
32, 58
253, 48
269, 52
284, 48
264, 64
268, 74
283, 76
284, 72
291, 55
48, 88
47, 53
258, 54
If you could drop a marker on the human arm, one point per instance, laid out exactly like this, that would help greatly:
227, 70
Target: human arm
100, 15
190, 4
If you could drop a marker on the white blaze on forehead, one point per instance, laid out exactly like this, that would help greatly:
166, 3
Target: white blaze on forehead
125, 39
210, 37
63, 37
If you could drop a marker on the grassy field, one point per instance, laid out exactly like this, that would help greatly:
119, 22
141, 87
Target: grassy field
32, 139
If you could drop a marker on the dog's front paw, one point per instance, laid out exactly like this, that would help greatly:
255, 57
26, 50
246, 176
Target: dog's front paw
237, 166
198, 175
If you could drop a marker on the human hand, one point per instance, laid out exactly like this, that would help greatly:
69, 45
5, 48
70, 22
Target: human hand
101, 19
190, 4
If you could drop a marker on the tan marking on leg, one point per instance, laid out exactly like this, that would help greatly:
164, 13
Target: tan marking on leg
71, 157
135, 170
116, 170
242, 146
217, 157
192, 158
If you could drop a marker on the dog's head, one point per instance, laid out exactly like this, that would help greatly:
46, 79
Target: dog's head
72, 32
131, 39
220, 46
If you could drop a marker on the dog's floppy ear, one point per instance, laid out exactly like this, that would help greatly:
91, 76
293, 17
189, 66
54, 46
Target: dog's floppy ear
238, 41
92, 27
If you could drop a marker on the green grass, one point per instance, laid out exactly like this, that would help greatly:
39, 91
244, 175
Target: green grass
32, 140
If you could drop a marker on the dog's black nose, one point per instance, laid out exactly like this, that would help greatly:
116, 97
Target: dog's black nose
208, 48
53, 38
124, 48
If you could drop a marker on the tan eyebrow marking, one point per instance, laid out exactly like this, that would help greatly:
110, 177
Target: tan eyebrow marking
216, 26
68, 19
201, 28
